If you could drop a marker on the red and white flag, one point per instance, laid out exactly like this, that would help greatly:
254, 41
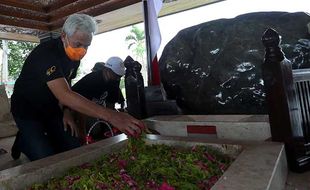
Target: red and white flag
153, 8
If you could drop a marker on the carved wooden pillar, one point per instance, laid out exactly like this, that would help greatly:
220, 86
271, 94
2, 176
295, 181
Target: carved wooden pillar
283, 105
134, 85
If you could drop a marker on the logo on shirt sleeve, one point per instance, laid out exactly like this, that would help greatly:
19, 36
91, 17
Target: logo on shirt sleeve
50, 70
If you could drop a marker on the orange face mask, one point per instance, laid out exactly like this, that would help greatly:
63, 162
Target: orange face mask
75, 54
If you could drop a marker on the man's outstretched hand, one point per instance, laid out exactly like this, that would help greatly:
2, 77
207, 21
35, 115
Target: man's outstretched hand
127, 124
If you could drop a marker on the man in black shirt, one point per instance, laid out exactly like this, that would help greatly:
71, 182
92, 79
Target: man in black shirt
102, 87
42, 99
102, 84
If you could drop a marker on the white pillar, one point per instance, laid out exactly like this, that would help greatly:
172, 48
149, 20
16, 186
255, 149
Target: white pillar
4, 68
1, 52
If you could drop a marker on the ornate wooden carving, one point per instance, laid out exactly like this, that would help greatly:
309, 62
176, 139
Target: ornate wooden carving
286, 95
134, 85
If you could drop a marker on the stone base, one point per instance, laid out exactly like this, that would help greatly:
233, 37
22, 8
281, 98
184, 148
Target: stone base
234, 127
260, 165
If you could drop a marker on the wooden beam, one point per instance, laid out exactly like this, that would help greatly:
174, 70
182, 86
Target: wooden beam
110, 6
109, 21
183, 5
23, 23
74, 8
133, 13
19, 37
128, 12
22, 5
59, 5
98, 10
23, 14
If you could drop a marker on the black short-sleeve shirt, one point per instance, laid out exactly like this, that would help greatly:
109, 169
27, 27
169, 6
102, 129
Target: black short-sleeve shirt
94, 87
31, 97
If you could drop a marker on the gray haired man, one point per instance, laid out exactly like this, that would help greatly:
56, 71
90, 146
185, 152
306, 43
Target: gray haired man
42, 99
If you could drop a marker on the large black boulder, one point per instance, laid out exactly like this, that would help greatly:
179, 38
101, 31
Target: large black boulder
215, 67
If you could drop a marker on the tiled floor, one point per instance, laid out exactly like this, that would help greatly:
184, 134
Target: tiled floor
295, 181
6, 160
298, 181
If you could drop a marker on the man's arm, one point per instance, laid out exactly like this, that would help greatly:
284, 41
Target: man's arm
67, 97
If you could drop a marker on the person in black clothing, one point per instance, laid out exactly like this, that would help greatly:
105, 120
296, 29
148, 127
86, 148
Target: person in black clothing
102, 84
102, 87
42, 99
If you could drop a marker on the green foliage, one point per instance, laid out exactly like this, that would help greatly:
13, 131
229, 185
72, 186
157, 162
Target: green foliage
142, 166
18, 52
122, 83
136, 41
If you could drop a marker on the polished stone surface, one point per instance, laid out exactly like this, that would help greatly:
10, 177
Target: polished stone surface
216, 67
